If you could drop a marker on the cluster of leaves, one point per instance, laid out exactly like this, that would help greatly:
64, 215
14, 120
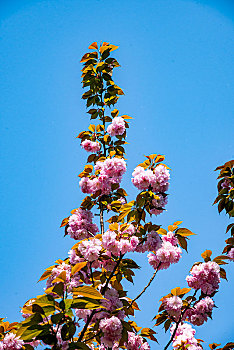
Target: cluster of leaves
225, 198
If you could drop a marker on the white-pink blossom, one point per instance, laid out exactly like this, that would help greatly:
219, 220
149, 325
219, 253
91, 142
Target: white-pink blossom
231, 254
165, 256
91, 146
11, 342
205, 276
90, 249
108, 172
136, 342
184, 336
112, 330
173, 306
117, 126
80, 224
198, 314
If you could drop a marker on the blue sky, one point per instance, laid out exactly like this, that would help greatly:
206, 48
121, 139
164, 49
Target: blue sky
177, 74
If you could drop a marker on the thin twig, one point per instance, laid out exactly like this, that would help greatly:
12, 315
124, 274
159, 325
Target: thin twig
143, 291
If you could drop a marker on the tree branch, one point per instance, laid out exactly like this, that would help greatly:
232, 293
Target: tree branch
143, 291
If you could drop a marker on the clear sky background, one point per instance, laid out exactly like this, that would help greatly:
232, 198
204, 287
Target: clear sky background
177, 74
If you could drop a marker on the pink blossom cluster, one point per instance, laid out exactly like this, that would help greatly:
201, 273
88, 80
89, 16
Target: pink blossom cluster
158, 204
231, 254
173, 306
136, 342
198, 314
158, 178
112, 330
109, 172
11, 342
83, 313
151, 244
116, 245
110, 303
81, 225
91, 146
90, 249
184, 336
63, 345
70, 282
76, 257
205, 276
169, 253
117, 126
56, 272
226, 183
113, 302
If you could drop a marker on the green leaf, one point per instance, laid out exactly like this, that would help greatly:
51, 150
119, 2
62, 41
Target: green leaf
86, 303
57, 318
32, 320
87, 291
68, 330
59, 288
30, 334
184, 232
37, 308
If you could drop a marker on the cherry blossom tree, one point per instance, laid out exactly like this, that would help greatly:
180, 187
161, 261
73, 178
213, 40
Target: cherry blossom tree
84, 305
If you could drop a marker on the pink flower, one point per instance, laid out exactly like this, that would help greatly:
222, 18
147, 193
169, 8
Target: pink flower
107, 173
134, 241
125, 246
200, 312
90, 146
158, 205
112, 330
158, 179
170, 237
110, 243
11, 342
112, 301
74, 258
81, 225
162, 177
173, 306
231, 254
117, 127
90, 249
205, 276
142, 178
226, 183
165, 256
152, 243
136, 342
56, 272
83, 313
184, 336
